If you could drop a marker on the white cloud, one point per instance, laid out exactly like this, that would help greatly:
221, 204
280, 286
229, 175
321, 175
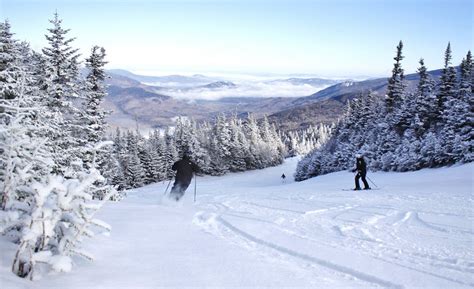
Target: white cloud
245, 89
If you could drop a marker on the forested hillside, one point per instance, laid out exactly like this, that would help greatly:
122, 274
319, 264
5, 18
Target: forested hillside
226, 146
404, 131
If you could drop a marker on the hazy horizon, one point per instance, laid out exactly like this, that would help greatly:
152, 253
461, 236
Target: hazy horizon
242, 75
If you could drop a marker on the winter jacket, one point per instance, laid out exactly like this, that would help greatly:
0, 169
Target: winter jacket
185, 170
361, 166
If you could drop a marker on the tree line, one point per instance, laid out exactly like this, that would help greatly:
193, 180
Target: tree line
404, 130
226, 145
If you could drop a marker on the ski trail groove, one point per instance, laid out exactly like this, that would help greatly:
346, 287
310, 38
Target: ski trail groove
324, 263
276, 209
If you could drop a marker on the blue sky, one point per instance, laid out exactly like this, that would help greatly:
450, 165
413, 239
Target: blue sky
326, 38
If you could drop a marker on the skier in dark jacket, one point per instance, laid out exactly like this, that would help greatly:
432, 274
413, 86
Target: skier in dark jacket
361, 168
185, 170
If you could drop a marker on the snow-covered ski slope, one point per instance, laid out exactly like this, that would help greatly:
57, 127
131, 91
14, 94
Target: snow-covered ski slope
251, 230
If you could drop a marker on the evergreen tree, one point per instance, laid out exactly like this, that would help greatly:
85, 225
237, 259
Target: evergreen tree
60, 88
9, 71
426, 105
220, 147
447, 84
61, 65
459, 118
238, 146
448, 104
96, 92
93, 115
252, 132
195, 150
396, 86
134, 174
9, 75
171, 154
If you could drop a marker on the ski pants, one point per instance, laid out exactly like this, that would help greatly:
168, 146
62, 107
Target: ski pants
357, 177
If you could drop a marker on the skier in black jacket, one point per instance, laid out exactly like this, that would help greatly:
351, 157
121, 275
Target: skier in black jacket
185, 170
361, 168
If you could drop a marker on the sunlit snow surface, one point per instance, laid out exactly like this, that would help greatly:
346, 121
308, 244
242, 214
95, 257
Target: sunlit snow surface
251, 230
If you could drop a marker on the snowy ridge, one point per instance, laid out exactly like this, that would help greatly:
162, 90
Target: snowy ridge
251, 230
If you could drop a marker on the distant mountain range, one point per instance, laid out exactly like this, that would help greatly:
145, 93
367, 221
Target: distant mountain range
168, 80
132, 102
328, 104
133, 99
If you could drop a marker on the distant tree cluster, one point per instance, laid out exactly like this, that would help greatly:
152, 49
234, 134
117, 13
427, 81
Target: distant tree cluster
302, 141
404, 131
227, 145
52, 150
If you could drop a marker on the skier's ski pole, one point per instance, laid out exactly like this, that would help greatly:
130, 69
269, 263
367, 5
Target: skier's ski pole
195, 188
371, 181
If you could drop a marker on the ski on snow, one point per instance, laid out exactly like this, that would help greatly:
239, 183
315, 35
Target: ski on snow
371, 189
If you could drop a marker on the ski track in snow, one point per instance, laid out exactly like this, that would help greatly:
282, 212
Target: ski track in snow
381, 225
417, 231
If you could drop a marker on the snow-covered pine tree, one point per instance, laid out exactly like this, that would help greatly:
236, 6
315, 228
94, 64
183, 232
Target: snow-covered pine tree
134, 172
61, 88
448, 103
95, 91
252, 132
171, 155
61, 64
272, 148
158, 145
93, 124
426, 102
62, 215
396, 86
9, 74
119, 162
38, 70
458, 117
25, 156
154, 172
9, 71
195, 150
145, 161
392, 126
220, 146
204, 135
279, 145
466, 87
181, 135
238, 146
447, 83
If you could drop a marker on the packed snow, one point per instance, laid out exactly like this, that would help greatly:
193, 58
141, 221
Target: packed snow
251, 229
